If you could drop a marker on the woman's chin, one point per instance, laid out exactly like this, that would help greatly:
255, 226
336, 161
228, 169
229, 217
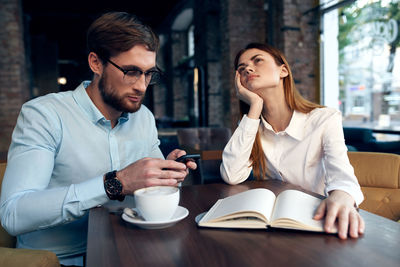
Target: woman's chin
254, 89
254, 86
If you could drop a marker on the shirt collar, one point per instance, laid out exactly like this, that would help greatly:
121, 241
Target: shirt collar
296, 125
83, 100
124, 117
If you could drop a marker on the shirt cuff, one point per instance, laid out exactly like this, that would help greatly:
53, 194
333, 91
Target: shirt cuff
91, 193
356, 194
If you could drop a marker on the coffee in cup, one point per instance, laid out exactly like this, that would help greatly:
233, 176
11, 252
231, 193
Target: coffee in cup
157, 203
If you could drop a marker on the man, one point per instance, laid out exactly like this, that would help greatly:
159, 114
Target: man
73, 151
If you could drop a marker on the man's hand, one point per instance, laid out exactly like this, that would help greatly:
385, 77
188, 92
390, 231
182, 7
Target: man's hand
151, 172
178, 153
340, 205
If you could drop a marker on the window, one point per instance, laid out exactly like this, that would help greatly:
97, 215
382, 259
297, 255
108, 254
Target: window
361, 61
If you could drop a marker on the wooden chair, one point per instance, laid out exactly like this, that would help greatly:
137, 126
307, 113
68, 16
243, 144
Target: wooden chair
203, 135
209, 142
11, 256
379, 178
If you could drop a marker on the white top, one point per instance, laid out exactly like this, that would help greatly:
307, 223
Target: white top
311, 153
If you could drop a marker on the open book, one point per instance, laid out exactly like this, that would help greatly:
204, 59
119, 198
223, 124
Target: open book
260, 208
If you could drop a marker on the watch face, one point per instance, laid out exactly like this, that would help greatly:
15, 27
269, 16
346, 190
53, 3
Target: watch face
113, 187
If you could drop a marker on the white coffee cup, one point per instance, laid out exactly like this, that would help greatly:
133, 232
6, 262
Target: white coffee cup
157, 203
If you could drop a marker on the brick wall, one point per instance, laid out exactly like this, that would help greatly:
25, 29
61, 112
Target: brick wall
13, 77
215, 98
181, 82
300, 33
160, 90
242, 21
208, 58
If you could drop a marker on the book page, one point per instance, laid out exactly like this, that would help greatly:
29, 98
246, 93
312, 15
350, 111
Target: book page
295, 210
258, 200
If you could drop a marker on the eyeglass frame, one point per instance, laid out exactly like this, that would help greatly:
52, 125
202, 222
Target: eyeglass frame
124, 71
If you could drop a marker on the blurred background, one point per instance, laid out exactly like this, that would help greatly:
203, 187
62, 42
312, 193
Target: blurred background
344, 54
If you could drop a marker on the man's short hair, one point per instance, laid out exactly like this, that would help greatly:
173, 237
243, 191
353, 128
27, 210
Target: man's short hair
117, 32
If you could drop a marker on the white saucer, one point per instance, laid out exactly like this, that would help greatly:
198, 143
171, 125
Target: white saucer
179, 214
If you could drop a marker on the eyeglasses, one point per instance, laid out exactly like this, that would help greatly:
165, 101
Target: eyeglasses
132, 75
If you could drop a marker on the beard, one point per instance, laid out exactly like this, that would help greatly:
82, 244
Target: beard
117, 102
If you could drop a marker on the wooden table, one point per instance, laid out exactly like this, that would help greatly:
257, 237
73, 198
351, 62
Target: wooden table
113, 242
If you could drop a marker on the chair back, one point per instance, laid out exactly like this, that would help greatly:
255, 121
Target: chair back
203, 135
6, 240
9, 256
379, 178
3, 166
208, 167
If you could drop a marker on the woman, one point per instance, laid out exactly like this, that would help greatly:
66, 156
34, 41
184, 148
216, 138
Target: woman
283, 136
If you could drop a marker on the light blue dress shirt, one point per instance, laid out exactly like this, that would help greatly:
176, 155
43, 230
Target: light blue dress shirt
61, 148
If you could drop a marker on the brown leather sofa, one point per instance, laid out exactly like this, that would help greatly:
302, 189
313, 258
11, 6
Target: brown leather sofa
379, 177
11, 256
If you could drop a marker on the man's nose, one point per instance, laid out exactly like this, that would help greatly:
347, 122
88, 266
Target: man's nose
140, 84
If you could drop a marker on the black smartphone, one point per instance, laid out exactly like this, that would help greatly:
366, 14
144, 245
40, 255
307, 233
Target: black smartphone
189, 157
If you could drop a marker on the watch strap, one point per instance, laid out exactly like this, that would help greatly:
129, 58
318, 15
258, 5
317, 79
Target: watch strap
111, 175
113, 186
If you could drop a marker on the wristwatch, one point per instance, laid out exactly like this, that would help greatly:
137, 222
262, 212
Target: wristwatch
113, 186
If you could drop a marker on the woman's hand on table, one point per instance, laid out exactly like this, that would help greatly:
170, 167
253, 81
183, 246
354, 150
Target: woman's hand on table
339, 206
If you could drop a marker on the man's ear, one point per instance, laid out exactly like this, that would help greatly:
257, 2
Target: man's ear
95, 63
284, 71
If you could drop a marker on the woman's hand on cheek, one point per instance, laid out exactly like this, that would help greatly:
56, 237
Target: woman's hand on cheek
252, 99
242, 92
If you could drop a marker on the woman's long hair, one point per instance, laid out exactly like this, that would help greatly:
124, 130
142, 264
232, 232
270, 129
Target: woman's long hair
292, 97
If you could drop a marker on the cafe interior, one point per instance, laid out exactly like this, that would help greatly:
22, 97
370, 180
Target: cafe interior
343, 54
